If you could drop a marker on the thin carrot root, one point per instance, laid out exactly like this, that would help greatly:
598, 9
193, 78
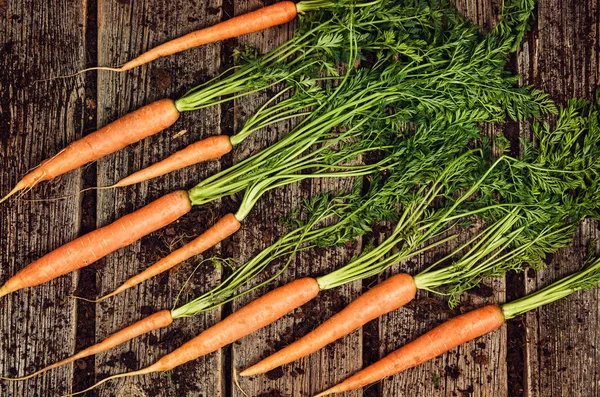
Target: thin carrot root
224, 228
142, 371
81, 298
66, 76
121, 288
273, 15
89, 248
237, 383
18, 187
439, 340
147, 120
206, 149
385, 297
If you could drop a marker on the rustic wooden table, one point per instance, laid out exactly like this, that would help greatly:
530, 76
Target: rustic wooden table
550, 352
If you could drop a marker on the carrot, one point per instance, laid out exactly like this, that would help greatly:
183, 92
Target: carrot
255, 315
321, 208
224, 228
383, 298
273, 15
468, 326
89, 248
206, 149
254, 21
439, 340
157, 320
130, 128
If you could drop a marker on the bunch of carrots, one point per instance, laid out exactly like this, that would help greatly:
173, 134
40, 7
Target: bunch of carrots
385, 93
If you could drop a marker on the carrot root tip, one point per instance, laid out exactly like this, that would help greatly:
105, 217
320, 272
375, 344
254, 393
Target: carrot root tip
23, 377
104, 297
80, 298
20, 186
80, 72
115, 292
4, 291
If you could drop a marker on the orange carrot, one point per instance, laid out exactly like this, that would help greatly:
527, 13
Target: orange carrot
224, 228
255, 315
273, 15
157, 320
206, 149
99, 243
439, 340
130, 128
383, 298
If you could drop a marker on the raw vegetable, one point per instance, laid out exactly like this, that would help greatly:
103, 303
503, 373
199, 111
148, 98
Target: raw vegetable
273, 15
362, 97
95, 245
317, 47
324, 221
130, 128
270, 306
458, 175
352, 214
206, 149
86, 249
463, 72
541, 220
253, 21
308, 95
332, 152
467, 327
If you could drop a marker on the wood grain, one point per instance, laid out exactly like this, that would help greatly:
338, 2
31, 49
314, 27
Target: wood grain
561, 354
40, 325
36, 121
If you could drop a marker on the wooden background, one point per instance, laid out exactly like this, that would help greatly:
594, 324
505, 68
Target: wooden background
550, 352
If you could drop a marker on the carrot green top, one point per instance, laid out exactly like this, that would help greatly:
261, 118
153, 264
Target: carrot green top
447, 76
543, 197
587, 278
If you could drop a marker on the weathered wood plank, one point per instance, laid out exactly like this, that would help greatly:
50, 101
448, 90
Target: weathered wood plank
125, 30
330, 365
36, 121
562, 346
